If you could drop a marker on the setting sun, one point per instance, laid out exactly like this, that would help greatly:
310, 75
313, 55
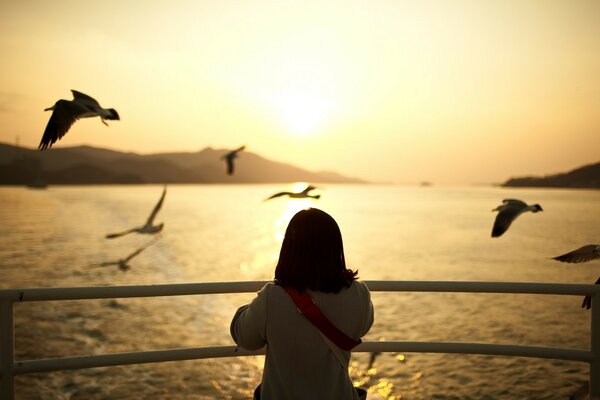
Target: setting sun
302, 113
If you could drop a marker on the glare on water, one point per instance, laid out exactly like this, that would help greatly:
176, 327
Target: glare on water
227, 233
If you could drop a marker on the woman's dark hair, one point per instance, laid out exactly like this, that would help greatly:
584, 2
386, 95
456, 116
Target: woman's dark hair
312, 254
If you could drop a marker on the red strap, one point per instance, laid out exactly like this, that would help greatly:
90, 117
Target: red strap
307, 307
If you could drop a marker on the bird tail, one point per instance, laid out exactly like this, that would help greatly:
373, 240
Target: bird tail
113, 114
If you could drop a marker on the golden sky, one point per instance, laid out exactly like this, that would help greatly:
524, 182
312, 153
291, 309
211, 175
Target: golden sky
463, 91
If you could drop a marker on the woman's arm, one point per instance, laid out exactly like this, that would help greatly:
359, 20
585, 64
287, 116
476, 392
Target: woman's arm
249, 324
369, 311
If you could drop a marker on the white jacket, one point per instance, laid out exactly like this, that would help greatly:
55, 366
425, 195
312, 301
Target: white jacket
299, 364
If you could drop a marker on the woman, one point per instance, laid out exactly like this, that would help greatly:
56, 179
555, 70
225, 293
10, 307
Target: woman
299, 363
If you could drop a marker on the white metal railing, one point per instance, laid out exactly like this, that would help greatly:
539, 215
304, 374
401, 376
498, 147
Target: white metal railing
9, 367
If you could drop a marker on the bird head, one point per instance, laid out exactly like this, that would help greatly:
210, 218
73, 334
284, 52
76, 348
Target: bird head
50, 108
536, 208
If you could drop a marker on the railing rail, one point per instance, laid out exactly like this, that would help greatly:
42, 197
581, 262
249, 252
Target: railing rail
9, 367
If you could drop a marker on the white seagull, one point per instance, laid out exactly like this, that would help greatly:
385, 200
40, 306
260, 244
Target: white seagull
149, 226
66, 112
296, 195
230, 156
123, 263
508, 212
583, 254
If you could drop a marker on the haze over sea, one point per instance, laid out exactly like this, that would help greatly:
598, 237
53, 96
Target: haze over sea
226, 233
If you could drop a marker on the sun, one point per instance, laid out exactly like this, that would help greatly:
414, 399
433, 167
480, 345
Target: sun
302, 113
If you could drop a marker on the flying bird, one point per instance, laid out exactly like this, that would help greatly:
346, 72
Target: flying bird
123, 263
149, 226
583, 254
230, 156
297, 195
508, 212
66, 112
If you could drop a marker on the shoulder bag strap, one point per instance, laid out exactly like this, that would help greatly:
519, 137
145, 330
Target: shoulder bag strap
307, 307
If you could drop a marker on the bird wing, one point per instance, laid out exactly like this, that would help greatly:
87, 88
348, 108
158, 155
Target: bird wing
504, 219
85, 98
515, 202
229, 165
103, 264
308, 189
157, 207
239, 149
64, 115
277, 195
140, 249
582, 254
119, 234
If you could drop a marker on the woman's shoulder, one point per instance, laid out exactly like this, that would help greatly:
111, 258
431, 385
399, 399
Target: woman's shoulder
360, 286
268, 287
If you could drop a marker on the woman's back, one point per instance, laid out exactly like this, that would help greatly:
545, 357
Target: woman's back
299, 363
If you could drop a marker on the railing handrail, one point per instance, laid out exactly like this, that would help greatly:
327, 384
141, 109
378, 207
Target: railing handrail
9, 367
196, 353
183, 289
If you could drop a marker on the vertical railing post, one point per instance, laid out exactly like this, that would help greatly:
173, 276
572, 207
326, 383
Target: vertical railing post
7, 359
595, 346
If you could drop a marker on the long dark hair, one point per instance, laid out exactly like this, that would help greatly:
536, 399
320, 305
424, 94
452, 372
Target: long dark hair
312, 254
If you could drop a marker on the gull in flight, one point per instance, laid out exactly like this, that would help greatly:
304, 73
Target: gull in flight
66, 112
123, 263
508, 211
583, 254
230, 156
149, 226
297, 195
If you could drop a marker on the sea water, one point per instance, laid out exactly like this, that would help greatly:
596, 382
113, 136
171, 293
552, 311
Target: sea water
50, 238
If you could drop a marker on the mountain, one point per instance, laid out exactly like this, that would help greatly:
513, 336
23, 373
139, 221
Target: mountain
91, 165
587, 177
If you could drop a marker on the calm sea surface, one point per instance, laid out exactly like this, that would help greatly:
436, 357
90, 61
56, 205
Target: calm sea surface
227, 233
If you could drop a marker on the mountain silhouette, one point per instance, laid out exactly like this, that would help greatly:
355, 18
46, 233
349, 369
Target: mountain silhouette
91, 165
586, 177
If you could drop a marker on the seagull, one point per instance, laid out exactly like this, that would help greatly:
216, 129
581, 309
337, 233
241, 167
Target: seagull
586, 253
296, 195
229, 157
66, 112
123, 263
149, 226
583, 254
508, 212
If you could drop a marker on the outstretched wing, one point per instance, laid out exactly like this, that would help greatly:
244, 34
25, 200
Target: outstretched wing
85, 98
515, 202
277, 195
64, 115
119, 234
157, 207
308, 188
140, 249
582, 254
104, 264
504, 219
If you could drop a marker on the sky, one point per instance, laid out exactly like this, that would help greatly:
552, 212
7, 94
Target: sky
450, 92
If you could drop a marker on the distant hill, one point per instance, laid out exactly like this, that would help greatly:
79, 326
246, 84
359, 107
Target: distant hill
585, 177
91, 165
